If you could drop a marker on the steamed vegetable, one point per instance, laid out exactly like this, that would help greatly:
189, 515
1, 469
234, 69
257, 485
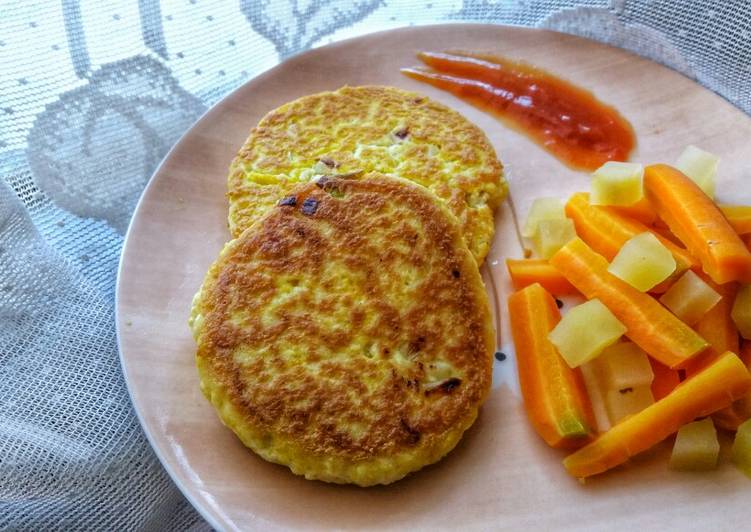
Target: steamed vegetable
554, 394
641, 211
731, 417
606, 231
596, 391
542, 209
716, 326
698, 223
700, 166
665, 379
690, 298
551, 236
696, 447
742, 448
627, 402
624, 365
739, 217
585, 331
741, 312
650, 325
715, 387
524, 272
643, 262
617, 183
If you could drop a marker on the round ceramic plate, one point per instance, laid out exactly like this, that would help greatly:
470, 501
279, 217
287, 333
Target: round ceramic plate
501, 475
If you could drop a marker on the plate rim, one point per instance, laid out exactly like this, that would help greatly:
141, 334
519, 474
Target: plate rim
200, 507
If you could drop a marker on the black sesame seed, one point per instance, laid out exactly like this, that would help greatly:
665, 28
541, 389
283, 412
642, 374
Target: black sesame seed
558, 303
500, 356
402, 133
455, 273
310, 206
290, 201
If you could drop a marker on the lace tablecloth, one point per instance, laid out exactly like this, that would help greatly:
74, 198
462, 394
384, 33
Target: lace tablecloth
92, 95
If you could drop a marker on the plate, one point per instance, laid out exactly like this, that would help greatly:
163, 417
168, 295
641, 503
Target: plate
501, 475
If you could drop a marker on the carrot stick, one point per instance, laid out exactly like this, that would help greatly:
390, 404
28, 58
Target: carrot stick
717, 327
605, 230
739, 217
730, 418
554, 395
650, 325
641, 211
694, 218
524, 272
665, 379
715, 387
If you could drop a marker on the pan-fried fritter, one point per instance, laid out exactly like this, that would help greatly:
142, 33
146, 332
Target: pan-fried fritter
347, 334
356, 130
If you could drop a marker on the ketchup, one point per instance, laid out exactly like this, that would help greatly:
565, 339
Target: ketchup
566, 120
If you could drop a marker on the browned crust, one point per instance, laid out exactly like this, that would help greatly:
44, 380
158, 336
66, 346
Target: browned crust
444, 152
378, 232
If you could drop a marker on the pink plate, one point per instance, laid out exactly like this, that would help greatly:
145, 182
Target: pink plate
501, 475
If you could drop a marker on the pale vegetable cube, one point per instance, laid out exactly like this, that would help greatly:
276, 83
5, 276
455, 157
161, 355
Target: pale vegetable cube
742, 448
542, 209
584, 331
643, 262
552, 235
700, 166
596, 393
690, 298
696, 447
624, 365
741, 312
626, 402
616, 183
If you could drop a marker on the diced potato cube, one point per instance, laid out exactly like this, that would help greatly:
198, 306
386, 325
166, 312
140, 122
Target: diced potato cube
596, 392
643, 262
552, 235
616, 183
624, 365
542, 209
696, 447
690, 298
742, 448
700, 166
584, 331
741, 312
626, 402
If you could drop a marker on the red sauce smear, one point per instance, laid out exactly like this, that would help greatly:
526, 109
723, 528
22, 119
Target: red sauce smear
566, 120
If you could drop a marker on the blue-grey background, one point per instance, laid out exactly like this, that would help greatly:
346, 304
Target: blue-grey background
92, 95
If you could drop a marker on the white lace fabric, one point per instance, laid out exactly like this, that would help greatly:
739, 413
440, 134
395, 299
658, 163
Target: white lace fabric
92, 95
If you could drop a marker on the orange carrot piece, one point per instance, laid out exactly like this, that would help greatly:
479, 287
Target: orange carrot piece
730, 418
665, 379
739, 217
717, 327
714, 388
650, 325
641, 211
694, 218
555, 398
605, 230
524, 272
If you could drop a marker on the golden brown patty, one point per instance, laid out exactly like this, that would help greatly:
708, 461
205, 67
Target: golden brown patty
346, 334
362, 129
